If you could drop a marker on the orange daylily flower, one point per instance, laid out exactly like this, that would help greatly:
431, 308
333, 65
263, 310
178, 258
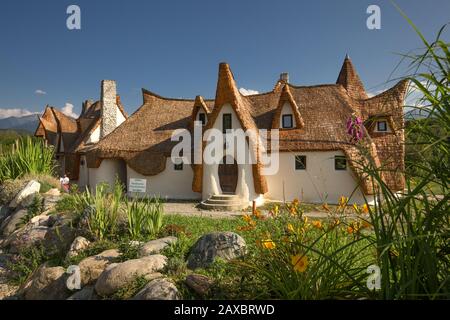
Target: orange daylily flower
365, 208
299, 262
317, 224
268, 244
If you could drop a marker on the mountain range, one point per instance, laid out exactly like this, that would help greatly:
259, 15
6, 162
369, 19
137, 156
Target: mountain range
28, 123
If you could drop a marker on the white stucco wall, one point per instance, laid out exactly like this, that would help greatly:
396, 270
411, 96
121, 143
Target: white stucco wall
169, 184
120, 117
94, 136
211, 183
319, 183
287, 109
107, 172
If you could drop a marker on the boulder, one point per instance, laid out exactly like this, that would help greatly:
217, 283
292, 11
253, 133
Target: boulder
158, 289
92, 267
48, 283
13, 222
50, 202
40, 220
156, 246
59, 238
53, 192
78, 245
86, 293
31, 188
122, 274
199, 283
4, 213
225, 245
25, 238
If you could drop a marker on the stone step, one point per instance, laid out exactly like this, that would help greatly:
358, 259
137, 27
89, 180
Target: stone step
224, 197
222, 207
221, 201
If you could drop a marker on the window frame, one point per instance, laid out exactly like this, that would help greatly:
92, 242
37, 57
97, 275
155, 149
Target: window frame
287, 116
226, 117
336, 158
385, 125
299, 161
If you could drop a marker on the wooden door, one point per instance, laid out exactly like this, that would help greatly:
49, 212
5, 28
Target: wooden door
228, 176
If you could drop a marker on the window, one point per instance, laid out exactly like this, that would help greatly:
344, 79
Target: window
287, 121
340, 163
381, 126
178, 165
300, 162
226, 122
202, 118
82, 162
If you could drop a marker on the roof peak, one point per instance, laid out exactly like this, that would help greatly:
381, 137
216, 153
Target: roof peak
349, 79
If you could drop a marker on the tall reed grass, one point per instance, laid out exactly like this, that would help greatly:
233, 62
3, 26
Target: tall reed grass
28, 156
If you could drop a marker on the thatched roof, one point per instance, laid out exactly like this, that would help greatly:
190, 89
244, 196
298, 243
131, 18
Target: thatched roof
321, 112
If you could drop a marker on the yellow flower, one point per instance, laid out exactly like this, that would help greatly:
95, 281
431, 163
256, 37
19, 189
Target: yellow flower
343, 201
268, 244
365, 208
299, 262
317, 224
352, 228
247, 218
295, 202
356, 208
290, 228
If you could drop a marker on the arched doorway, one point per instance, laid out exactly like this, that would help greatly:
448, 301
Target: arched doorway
228, 175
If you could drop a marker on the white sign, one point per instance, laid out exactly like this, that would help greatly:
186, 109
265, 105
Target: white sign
138, 185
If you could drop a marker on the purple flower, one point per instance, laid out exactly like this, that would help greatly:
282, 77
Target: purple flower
355, 128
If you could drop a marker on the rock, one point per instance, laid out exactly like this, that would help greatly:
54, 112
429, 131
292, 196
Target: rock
158, 289
59, 238
225, 245
4, 213
48, 283
199, 283
78, 245
32, 187
156, 246
122, 274
40, 220
92, 267
12, 223
25, 238
53, 192
6, 289
87, 293
50, 202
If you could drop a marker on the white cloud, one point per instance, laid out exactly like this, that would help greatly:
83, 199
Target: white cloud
40, 92
68, 110
15, 112
247, 92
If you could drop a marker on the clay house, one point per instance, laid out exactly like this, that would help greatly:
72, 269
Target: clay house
317, 160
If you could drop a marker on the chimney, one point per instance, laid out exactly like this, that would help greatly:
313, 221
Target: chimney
109, 107
284, 77
86, 105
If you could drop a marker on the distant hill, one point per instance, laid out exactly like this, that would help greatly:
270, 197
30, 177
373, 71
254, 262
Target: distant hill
27, 123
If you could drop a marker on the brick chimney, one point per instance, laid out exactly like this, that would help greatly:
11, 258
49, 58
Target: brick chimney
284, 77
109, 107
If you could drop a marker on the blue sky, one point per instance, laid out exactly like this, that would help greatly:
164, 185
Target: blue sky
174, 47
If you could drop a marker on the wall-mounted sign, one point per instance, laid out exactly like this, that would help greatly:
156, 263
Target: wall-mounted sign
137, 185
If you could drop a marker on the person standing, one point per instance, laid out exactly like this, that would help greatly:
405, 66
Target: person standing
65, 183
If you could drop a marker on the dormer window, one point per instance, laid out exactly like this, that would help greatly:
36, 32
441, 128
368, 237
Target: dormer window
287, 122
382, 126
202, 118
226, 122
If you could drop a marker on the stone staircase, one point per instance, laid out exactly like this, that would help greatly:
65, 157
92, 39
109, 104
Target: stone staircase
223, 202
